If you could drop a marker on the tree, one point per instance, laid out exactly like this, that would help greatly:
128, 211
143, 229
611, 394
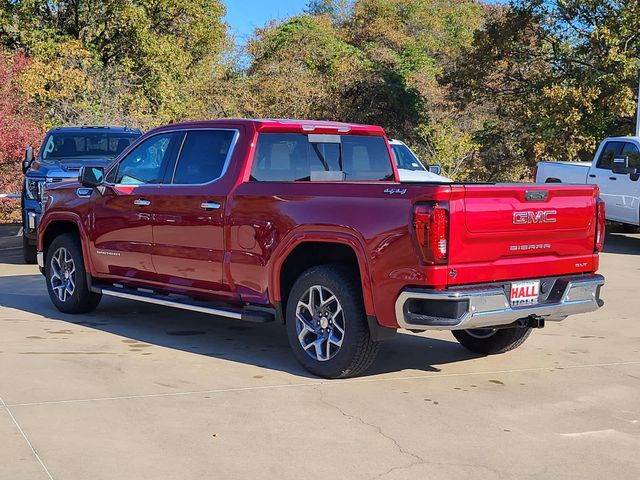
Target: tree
559, 76
152, 53
373, 61
18, 129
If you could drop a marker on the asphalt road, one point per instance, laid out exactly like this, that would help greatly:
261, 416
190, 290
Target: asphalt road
136, 391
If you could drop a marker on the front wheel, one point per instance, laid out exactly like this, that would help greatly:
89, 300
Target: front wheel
327, 325
66, 276
489, 341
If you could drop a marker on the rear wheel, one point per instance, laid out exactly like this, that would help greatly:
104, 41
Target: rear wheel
490, 341
327, 325
66, 276
28, 251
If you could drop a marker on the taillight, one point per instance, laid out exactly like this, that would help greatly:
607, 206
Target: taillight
431, 224
600, 224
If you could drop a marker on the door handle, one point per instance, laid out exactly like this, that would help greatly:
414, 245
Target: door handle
612, 178
591, 175
141, 202
210, 205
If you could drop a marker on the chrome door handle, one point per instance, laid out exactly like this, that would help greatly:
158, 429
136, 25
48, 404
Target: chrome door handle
142, 202
210, 205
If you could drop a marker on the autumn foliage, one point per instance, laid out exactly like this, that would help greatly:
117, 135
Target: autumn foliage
486, 89
17, 129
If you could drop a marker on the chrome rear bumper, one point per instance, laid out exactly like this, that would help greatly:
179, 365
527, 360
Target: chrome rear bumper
482, 307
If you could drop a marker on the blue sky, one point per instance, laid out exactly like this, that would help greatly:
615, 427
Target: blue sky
244, 16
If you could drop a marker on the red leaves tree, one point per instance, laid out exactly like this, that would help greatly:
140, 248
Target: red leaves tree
18, 129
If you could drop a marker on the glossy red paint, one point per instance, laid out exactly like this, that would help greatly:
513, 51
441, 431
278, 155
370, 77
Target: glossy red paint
236, 253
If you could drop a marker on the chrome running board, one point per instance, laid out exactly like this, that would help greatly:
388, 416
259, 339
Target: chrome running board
255, 315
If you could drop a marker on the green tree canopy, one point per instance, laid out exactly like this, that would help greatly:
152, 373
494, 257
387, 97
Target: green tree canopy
151, 53
559, 75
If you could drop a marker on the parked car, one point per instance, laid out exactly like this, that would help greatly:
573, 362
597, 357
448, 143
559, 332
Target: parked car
411, 168
615, 168
63, 152
306, 223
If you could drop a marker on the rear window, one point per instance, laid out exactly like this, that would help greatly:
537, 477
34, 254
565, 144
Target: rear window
289, 157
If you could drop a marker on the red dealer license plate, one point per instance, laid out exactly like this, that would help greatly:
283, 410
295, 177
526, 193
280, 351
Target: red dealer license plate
525, 293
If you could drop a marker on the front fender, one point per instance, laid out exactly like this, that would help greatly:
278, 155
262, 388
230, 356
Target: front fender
50, 219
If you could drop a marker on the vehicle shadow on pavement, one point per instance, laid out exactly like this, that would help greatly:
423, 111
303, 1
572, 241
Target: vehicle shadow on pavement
10, 245
12, 256
263, 345
622, 244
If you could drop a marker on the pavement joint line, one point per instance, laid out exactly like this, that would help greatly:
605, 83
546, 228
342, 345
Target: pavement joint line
26, 439
316, 384
9, 248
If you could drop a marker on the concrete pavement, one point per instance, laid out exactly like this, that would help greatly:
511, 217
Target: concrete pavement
138, 391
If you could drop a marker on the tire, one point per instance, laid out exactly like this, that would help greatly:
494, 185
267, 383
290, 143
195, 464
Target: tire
66, 276
490, 342
28, 251
330, 353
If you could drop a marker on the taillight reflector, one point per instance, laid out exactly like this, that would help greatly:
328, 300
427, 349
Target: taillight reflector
600, 224
431, 224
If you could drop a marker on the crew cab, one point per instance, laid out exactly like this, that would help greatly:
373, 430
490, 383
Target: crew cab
306, 223
615, 169
63, 152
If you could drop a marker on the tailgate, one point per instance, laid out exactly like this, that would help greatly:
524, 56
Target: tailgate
508, 232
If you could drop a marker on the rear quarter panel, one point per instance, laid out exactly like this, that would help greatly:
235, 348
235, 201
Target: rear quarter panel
268, 220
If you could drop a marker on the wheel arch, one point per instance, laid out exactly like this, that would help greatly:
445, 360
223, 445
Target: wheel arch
311, 249
64, 222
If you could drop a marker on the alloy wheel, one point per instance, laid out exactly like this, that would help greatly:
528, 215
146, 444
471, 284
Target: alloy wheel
481, 333
63, 274
320, 323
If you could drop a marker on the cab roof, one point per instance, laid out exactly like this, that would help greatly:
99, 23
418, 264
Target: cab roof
96, 128
283, 125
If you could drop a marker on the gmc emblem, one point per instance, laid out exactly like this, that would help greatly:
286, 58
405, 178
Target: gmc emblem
541, 216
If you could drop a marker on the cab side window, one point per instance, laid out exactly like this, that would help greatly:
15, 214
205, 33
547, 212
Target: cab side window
203, 156
145, 163
610, 150
631, 150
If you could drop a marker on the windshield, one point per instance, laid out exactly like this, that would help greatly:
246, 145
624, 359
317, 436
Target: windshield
405, 158
86, 144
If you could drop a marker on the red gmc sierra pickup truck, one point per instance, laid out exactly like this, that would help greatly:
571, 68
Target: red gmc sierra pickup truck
305, 222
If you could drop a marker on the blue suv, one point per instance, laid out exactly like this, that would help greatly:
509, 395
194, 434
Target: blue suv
63, 152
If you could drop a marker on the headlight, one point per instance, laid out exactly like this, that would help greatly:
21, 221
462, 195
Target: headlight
46, 198
33, 188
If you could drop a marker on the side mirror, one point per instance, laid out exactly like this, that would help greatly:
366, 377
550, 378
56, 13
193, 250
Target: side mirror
621, 166
91, 176
435, 169
28, 159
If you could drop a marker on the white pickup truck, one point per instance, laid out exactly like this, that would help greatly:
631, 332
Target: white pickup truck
615, 169
411, 169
